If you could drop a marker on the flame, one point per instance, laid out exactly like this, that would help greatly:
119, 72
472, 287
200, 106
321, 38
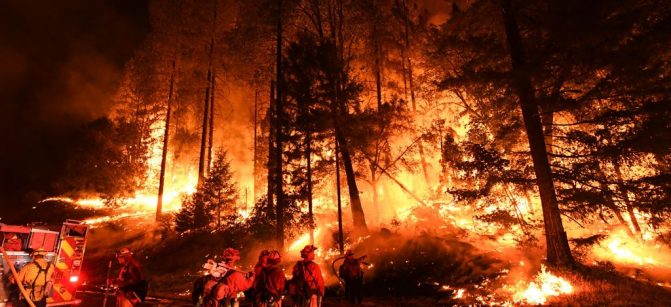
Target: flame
543, 286
622, 249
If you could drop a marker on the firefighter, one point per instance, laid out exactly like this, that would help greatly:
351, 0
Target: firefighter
260, 264
37, 278
225, 293
132, 285
307, 283
352, 274
269, 284
202, 287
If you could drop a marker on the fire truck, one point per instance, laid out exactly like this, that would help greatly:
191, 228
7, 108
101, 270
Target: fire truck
64, 249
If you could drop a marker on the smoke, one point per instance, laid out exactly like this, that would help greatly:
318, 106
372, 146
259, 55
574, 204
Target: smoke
60, 63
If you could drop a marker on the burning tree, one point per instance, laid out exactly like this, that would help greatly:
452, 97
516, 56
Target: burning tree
215, 198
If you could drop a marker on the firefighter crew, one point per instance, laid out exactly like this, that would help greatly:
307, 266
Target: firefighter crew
131, 281
352, 274
226, 292
269, 284
37, 279
307, 283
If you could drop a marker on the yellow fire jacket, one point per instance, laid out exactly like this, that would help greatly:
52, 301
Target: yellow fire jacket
34, 276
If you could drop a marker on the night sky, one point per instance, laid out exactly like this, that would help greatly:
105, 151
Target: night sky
60, 64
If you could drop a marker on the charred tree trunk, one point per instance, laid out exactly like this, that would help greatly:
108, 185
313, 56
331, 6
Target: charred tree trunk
166, 137
377, 69
341, 239
358, 217
340, 112
278, 132
203, 138
308, 157
271, 151
558, 251
210, 137
411, 85
256, 145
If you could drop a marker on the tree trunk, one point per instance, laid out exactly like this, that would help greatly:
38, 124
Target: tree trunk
271, 151
411, 85
210, 137
278, 132
308, 155
256, 145
610, 204
358, 217
376, 206
341, 240
203, 138
625, 197
558, 251
377, 69
164, 154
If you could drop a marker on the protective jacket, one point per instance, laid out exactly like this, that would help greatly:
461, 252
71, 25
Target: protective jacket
307, 278
35, 276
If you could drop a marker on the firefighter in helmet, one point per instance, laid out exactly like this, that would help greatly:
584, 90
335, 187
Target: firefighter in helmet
233, 283
352, 274
132, 285
307, 282
269, 285
202, 289
260, 264
37, 278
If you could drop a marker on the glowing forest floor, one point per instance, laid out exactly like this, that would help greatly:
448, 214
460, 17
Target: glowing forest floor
424, 270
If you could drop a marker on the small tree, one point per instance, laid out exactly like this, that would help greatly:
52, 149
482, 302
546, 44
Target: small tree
193, 215
219, 190
213, 199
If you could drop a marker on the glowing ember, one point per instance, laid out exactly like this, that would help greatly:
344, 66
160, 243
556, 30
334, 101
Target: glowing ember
544, 285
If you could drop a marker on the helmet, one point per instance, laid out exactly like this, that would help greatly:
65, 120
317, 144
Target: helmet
308, 249
125, 251
349, 252
40, 251
274, 257
231, 254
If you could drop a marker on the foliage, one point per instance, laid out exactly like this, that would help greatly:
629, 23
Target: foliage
213, 201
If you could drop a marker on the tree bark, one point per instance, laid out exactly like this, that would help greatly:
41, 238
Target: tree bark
271, 151
308, 155
203, 138
210, 137
341, 240
358, 217
164, 154
411, 85
256, 145
558, 251
278, 133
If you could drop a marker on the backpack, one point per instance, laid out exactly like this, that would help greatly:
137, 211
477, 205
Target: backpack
218, 292
298, 285
351, 270
263, 292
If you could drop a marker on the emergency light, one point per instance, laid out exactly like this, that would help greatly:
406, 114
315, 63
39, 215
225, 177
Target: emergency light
74, 279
